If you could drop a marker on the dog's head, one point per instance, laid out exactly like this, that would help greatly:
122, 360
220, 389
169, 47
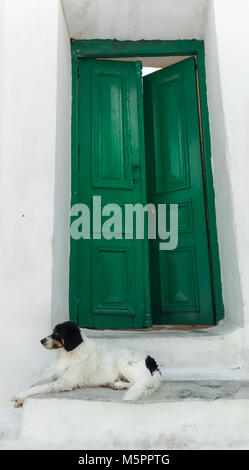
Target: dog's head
65, 335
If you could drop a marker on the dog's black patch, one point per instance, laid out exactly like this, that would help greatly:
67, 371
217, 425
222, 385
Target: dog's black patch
68, 333
151, 364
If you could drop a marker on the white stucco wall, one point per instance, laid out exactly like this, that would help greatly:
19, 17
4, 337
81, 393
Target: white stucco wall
136, 19
227, 45
62, 190
230, 149
31, 144
221, 164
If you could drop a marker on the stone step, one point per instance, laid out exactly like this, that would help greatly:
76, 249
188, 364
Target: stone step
182, 414
206, 349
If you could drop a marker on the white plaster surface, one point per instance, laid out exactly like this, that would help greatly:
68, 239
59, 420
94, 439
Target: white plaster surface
197, 353
171, 391
182, 415
62, 190
221, 158
227, 43
135, 19
33, 138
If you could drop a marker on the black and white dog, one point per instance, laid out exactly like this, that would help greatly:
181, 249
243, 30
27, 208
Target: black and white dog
81, 362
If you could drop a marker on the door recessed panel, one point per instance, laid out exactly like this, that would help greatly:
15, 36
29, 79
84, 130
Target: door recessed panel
179, 286
111, 276
170, 144
111, 150
185, 215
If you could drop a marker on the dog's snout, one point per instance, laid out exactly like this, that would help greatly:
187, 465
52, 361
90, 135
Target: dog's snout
49, 343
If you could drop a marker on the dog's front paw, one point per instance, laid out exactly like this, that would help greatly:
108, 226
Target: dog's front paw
18, 402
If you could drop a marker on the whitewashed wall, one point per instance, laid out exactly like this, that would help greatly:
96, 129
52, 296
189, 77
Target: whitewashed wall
221, 160
136, 19
227, 46
62, 190
231, 27
34, 144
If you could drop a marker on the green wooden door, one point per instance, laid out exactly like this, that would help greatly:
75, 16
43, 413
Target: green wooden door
112, 275
181, 289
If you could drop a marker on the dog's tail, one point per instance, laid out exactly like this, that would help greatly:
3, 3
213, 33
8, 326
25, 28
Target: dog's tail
146, 386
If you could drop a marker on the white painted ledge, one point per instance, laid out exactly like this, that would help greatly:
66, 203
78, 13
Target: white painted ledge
180, 415
212, 351
218, 331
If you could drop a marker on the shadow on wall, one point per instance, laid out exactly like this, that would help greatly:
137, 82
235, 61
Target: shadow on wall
231, 286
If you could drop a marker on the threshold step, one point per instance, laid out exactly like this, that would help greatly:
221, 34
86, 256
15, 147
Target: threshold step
182, 414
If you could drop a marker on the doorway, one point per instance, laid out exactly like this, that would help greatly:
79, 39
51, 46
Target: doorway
139, 141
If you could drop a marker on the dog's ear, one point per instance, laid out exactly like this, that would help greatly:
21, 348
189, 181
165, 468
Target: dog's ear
72, 336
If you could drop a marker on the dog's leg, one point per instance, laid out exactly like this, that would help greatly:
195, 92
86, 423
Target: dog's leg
45, 381
60, 385
119, 385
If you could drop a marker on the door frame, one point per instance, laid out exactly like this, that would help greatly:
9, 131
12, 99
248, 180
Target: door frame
108, 48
